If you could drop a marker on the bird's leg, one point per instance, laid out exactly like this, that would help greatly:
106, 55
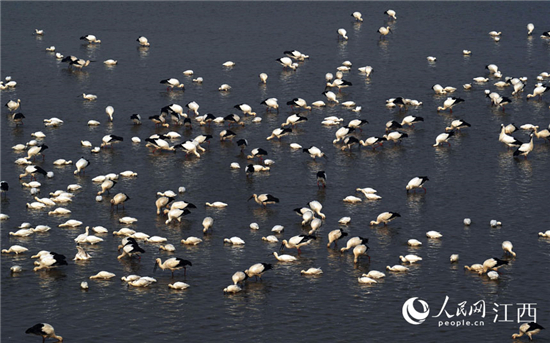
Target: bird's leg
424, 190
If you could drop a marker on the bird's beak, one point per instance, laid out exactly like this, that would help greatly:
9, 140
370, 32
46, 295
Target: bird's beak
282, 247
155, 267
250, 197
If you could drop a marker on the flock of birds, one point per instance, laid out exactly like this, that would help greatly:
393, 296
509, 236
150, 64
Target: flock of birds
174, 210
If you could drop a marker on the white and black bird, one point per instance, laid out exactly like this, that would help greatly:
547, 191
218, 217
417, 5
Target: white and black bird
411, 120
173, 264
287, 62
298, 102
271, 103
528, 329
385, 217
293, 120
227, 135
321, 179
258, 269
349, 141
296, 242
131, 248
335, 235
417, 182
539, 90
357, 16
457, 124
119, 198
257, 152
383, 31
395, 136
493, 264
81, 165
45, 330
136, 119
264, 199
13, 105
279, 133
109, 140
357, 123
391, 14
314, 152
36, 150
245, 108
443, 138
90, 39
143, 41
373, 141
32, 170
342, 132
4, 188
449, 103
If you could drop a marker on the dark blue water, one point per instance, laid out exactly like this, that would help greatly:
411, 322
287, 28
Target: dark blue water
476, 177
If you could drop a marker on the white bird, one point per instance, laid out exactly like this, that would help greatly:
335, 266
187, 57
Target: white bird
81, 255
316, 207
270, 239
110, 62
433, 234
342, 33
410, 258
178, 285
71, 223
331, 96
263, 77
375, 274
284, 257
277, 228
397, 268
344, 220
431, 58
480, 79
191, 240
167, 247
104, 275
538, 91
234, 240
366, 280
414, 242
359, 250
507, 247
228, 64
16, 249
232, 289
352, 199
124, 232
312, 271
525, 148
454, 258
530, 28
207, 223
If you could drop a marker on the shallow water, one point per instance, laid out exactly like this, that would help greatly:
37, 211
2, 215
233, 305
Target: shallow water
475, 177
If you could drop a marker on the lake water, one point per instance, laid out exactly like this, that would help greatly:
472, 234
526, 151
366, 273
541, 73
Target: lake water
475, 177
